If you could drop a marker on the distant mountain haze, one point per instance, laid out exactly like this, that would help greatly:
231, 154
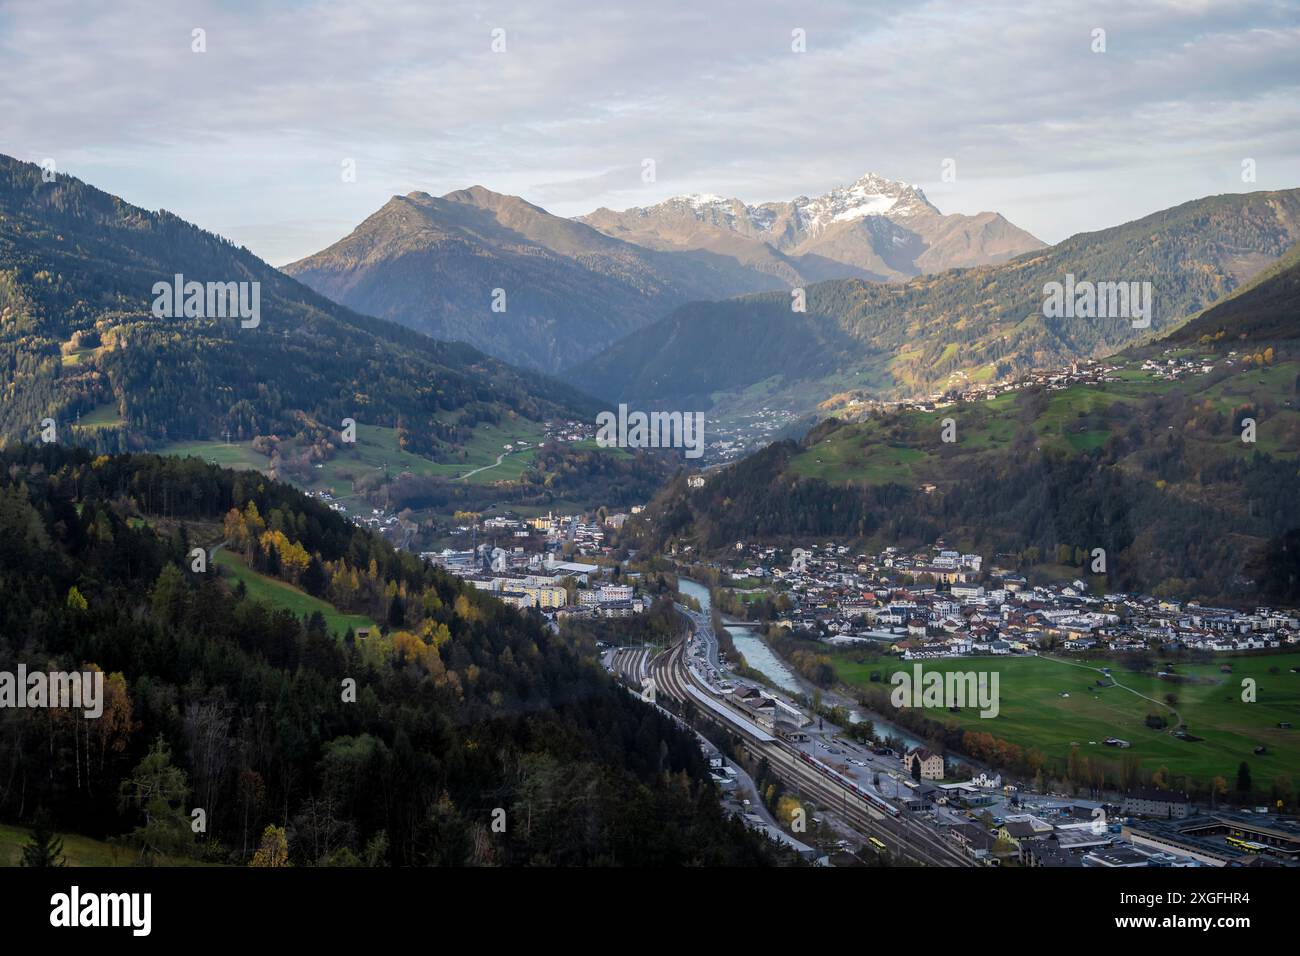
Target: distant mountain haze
879, 228
572, 287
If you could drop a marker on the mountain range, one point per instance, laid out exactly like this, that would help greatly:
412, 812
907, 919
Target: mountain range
80, 342
565, 289
939, 332
874, 228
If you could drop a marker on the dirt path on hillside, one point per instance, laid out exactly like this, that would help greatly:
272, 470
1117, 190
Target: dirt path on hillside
1177, 717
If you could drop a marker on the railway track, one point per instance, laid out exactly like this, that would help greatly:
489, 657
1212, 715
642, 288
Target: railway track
908, 841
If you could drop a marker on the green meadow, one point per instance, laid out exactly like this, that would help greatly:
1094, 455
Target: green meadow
376, 448
236, 455
1078, 418
101, 416
281, 595
1034, 713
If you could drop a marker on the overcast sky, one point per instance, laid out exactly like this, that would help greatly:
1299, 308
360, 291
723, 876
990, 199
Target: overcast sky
248, 138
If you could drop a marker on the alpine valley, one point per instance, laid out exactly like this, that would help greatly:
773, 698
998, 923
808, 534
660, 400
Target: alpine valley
932, 335
382, 480
1140, 454
573, 287
82, 350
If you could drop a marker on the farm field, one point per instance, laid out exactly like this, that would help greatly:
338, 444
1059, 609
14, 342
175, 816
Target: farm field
282, 595
1033, 712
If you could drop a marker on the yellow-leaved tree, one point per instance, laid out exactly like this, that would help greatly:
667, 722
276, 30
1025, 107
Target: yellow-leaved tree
274, 850
293, 556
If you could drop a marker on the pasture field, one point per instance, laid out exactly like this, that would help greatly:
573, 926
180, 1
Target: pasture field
1033, 712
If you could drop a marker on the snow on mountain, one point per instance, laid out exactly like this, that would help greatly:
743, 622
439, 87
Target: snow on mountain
872, 195
874, 228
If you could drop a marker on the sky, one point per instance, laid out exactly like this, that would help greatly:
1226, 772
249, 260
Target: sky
250, 137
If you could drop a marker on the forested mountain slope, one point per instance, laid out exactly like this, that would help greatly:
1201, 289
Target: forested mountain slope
80, 343
535, 289
944, 331
1152, 457
463, 709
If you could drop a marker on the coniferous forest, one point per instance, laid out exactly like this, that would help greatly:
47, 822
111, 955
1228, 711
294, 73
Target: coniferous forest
463, 708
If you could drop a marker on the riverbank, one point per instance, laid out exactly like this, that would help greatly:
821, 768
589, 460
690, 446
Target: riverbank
781, 676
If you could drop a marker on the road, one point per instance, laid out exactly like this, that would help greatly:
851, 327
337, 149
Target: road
500, 458
703, 625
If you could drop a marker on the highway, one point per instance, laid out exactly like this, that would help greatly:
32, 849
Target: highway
904, 838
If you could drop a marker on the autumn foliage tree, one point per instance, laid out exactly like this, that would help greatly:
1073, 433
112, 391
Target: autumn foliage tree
274, 849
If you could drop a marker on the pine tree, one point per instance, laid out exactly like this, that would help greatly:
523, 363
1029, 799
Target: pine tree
397, 612
45, 848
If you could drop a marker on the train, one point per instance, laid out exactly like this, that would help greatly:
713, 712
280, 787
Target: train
828, 771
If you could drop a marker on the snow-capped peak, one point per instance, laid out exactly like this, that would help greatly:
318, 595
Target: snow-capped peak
702, 199
872, 195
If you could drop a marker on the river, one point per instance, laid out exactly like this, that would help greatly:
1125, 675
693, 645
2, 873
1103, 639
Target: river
764, 660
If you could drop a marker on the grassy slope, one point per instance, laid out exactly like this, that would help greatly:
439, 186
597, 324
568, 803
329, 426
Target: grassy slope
376, 446
279, 594
237, 455
77, 850
101, 416
1033, 714
1072, 421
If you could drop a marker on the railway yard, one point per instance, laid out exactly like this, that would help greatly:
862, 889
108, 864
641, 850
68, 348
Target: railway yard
678, 673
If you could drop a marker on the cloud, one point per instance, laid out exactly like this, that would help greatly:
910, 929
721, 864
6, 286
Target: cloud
251, 133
